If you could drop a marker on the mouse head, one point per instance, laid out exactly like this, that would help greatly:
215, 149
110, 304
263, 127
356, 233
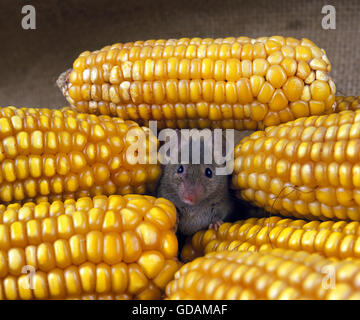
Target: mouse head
194, 177
198, 182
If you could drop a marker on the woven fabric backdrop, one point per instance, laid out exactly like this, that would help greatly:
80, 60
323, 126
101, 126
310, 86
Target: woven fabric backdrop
31, 60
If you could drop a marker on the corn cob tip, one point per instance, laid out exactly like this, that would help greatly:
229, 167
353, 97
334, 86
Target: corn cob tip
63, 81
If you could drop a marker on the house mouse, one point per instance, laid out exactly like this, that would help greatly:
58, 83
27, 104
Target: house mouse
201, 196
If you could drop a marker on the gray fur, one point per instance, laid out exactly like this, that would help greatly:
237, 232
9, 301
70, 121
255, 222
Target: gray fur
214, 205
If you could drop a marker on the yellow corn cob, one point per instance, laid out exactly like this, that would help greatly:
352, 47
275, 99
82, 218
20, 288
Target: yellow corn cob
306, 168
119, 246
336, 240
270, 275
239, 83
56, 154
346, 103
102, 297
147, 294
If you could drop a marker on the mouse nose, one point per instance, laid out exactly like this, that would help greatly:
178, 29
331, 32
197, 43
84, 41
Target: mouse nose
191, 194
189, 198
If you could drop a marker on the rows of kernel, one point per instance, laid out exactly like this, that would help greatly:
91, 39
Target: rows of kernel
206, 123
34, 224
10, 111
201, 110
250, 116
243, 48
326, 189
195, 111
107, 189
76, 149
95, 127
59, 188
343, 152
29, 176
230, 69
241, 228
277, 175
247, 229
258, 279
299, 208
106, 296
189, 115
275, 194
197, 41
62, 152
204, 114
315, 133
317, 163
331, 121
242, 85
205, 240
95, 246
16, 212
277, 94
89, 280
333, 239
155, 95
149, 293
304, 172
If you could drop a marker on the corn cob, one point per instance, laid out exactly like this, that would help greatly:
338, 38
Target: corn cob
346, 103
117, 246
307, 168
270, 275
62, 154
102, 297
335, 240
238, 83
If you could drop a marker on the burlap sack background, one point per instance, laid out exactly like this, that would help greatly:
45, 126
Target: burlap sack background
31, 60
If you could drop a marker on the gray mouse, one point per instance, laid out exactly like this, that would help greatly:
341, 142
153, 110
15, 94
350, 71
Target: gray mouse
202, 197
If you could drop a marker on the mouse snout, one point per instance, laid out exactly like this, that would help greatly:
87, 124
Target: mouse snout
189, 198
191, 194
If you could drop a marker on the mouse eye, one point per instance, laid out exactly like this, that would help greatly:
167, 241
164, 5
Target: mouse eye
180, 169
208, 172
